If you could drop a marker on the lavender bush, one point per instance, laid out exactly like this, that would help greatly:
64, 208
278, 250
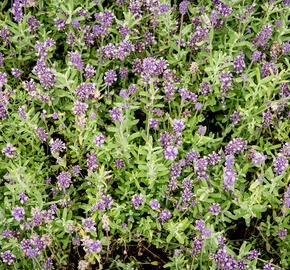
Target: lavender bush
144, 134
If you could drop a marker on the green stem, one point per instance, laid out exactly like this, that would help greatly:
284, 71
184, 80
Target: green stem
268, 262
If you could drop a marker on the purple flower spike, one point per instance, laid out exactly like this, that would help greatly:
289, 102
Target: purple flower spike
229, 177
9, 150
89, 224
7, 257
99, 140
95, 246
183, 7
116, 114
137, 200
64, 180
170, 153
154, 204
18, 213
280, 164
201, 130
110, 77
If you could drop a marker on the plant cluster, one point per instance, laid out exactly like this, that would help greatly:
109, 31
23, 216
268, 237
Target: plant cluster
144, 134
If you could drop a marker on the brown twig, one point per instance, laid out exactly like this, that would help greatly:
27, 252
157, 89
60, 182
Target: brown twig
152, 253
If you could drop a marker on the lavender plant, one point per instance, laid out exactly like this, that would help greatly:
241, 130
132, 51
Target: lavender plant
139, 134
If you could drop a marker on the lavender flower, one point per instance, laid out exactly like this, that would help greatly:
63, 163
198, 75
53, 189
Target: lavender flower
95, 246
60, 23
201, 165
89, 71
124, 31
201, 130
41, 48
154, 204
237, 145
46, 77
178, 126
17, 10
132, 89
123, 73
76, 240
258, 158
16, 72
284, 90
205, 88
261, 40
242, 265
116, 114
64, 180
256, 56
200, 35
57, 145
224, 260
75, 24
267, 68
213, 158
110, 77
239, 63
5, 34
165, 215
75, 59
214, 209
89, 224
92, 161
99, 140
76, 170
170, 152
3, 79
222, 8
187, 184
137, 200
281, 233
280, 164
153, 123
286, 47
119, 163
80, 107
135, 8
149, 66
33, 23
198, 106
172, 185
22, 112
196, 246
175, 170
8, 257
1, 59
235, 117
183, 7
225, 78
267, 119
285, 150
229, 177
164, 8
18, 213
41, 134
31, 88
9, 150
191, 156
23, 197
7, 233
267, 266
199, 225
206, 232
